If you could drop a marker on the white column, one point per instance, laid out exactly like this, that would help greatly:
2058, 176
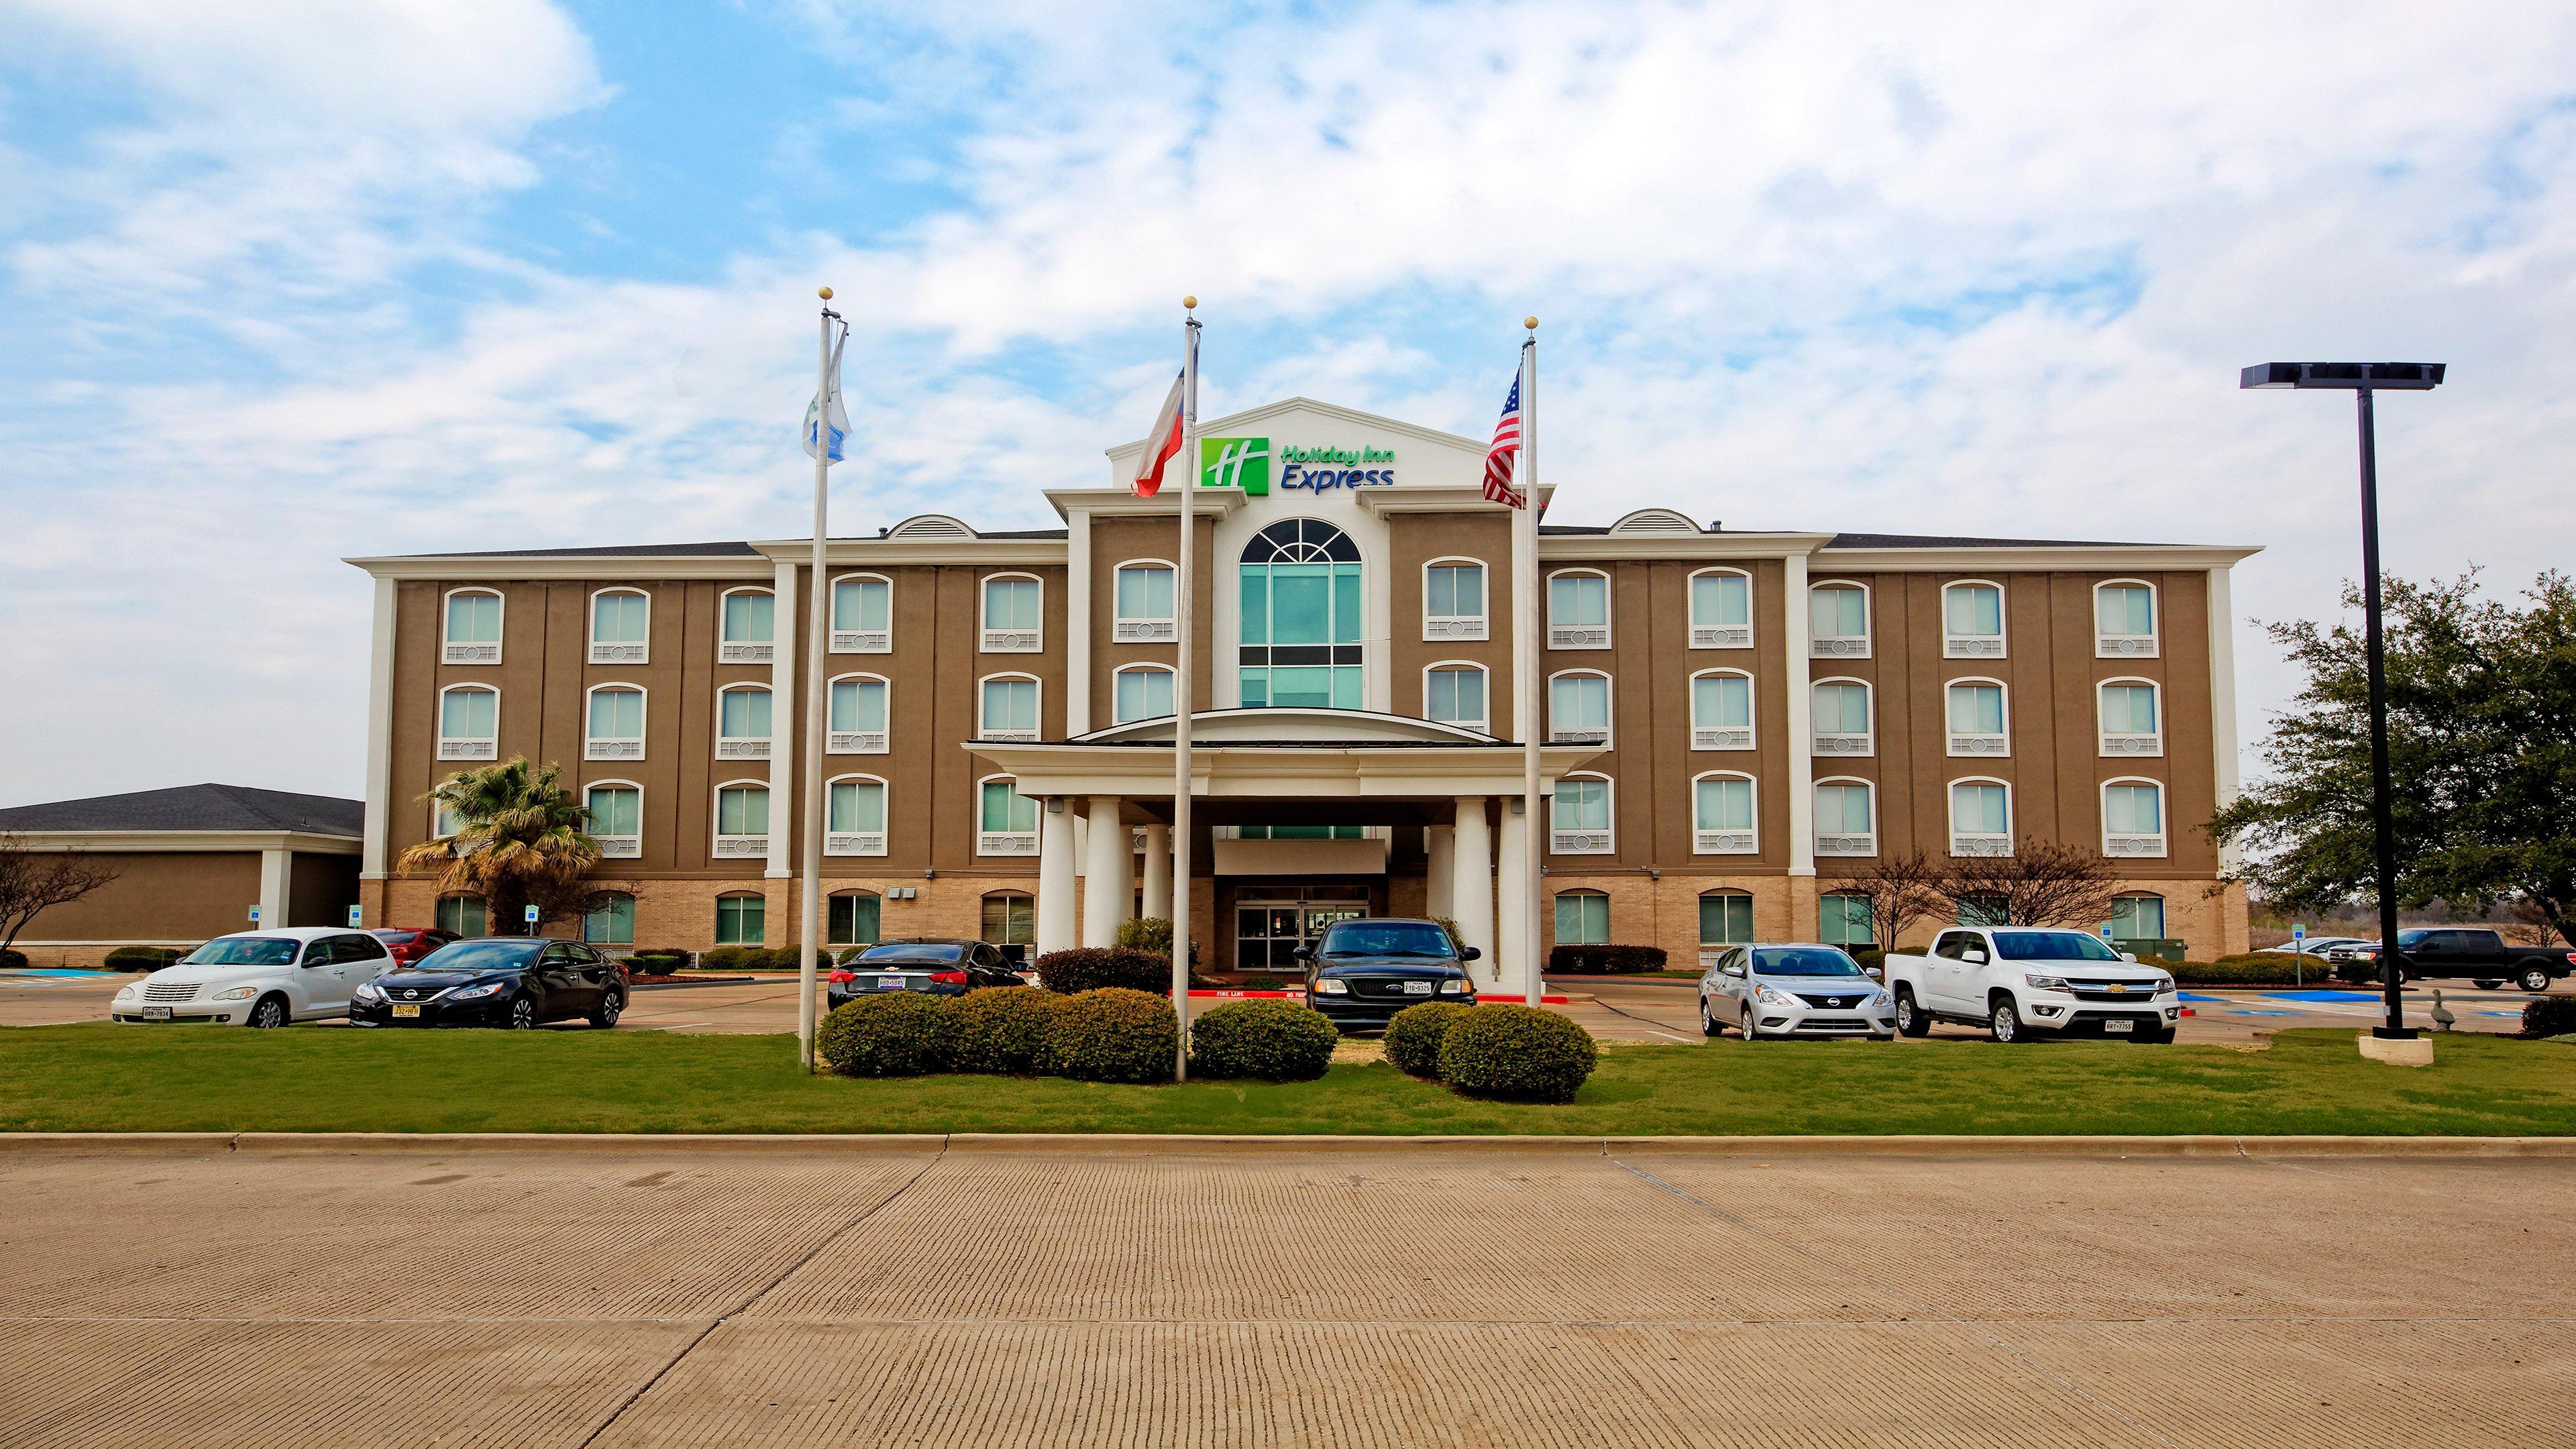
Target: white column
1158, 871
1802, 738
380, 736
1440, 883
1472, 891
1511, 924
783, 733
1055, 876
1109, 879
276, 880
1077, 622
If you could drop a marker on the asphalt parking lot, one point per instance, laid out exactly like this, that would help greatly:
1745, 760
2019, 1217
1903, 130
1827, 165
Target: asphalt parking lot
921, 1291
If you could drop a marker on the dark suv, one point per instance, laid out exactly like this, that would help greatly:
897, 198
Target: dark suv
1361, 973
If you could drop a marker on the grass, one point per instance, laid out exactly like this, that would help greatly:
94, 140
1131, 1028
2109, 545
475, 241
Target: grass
97, 1077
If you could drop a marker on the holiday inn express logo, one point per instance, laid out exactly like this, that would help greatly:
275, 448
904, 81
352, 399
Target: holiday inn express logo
1236, 463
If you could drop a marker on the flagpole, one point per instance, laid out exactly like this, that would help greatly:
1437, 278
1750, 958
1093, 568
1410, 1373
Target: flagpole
810, 847
1182, 695
1525, 666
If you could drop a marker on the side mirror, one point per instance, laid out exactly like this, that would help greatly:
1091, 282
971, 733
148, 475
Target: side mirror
1736, 971
1470, 954
1303, 953
1973, 957
2130, 957
1873, 973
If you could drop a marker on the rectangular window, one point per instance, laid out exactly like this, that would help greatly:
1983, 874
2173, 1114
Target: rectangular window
618, 621
1844, 820
1582, 918
1722, 816
1578, 611
1986, 911
1977, 720
1455, 696
1144, 603
1010, 920
2133, 820
854, 919
616, 725
1578, 709
1844, 921
741, 920
2129, 725
1143, 694
1722, 712
2124, 621
1838, 622
1006, 820
743, 810
1980, 819
854, 818
1721, 611
613, 924
750, 619
862, 616
473, 629
1453, 601
469, 724
2138, 918
464, 915
856, 717
1579, 817
1726, 919
616, 819
742, 724
1973, 621
1010, 710
1842, 719
1012, 617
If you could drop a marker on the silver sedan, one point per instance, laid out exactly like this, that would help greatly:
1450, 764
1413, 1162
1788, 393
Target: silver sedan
1793, 990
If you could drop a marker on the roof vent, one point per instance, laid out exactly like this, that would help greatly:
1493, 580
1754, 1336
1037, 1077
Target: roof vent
931, 525
1654, 520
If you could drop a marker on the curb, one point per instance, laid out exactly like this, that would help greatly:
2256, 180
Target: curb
688, 985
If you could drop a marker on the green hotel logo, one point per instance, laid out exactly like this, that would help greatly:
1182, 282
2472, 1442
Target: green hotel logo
1236, 463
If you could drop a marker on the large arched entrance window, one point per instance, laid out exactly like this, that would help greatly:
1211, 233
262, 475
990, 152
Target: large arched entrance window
1300, 644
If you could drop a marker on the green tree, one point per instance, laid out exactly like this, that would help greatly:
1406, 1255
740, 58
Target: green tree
520, 839
2481, 748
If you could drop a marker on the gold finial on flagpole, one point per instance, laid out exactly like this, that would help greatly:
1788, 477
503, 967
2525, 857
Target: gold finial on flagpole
1189, 304
824, 292
1530, 322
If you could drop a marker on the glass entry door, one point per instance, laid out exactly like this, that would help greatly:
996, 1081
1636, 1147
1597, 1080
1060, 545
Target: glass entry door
1267, 932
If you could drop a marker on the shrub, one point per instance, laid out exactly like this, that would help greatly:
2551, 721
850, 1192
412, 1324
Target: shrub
1265, 983
13, 960
1004, 1029
890, 1034
2549, 1016
1277, 1041
725, 958
1869, 957
1413, 1037
1519, 1053
1151, 934
1113, 1034
140, 958
1603, 960
659, 958
2247, 968
1089, 968
849, 954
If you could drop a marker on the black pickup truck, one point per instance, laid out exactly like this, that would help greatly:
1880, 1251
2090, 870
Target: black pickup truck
2484, 957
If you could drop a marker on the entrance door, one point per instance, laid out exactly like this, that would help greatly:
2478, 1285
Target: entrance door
1267, 933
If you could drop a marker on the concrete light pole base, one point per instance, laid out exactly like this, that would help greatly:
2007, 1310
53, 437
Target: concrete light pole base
2409, 1052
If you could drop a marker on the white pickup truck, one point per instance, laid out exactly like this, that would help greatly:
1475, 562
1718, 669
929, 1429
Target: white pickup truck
2023, 981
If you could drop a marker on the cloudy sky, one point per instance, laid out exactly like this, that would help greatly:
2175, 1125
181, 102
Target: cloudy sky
287, 280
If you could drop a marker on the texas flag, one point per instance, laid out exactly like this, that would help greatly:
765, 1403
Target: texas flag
1162, 442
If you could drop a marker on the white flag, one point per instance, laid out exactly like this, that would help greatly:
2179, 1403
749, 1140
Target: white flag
829, 404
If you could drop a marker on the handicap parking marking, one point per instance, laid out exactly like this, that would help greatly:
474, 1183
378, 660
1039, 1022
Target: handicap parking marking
2254, 1011
2196, 996
2331, 998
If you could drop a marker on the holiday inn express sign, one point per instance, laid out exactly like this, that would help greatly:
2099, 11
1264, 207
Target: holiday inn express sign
1248, 463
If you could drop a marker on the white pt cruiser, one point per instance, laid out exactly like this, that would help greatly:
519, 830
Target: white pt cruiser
2021, 981
259, 978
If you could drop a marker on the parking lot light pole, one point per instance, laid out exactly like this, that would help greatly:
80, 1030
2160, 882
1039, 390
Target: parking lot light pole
2361, 379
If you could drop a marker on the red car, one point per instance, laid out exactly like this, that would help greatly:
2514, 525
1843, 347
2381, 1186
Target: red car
408, 944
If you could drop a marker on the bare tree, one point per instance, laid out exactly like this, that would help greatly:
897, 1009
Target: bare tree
32, 880
2042, 883
1900, 889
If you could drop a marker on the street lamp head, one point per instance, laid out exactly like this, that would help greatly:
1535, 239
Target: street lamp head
2347, 376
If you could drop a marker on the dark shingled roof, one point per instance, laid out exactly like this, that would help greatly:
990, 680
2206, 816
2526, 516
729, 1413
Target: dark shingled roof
195, 807
1928, 540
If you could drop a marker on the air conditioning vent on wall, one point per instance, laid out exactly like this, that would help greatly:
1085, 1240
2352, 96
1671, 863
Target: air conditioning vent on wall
1578, 636
848, 842
1012, 641
1980, 745
1721, 636
857, 742
1144, 631
617, 654
1722, 842
862, 641
745, 653
1722, 739
1846, 845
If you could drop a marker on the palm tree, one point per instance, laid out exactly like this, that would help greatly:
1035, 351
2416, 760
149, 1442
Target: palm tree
520, 838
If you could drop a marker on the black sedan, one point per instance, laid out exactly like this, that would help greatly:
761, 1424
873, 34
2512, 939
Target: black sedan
496, 982
941, 967
1361, 973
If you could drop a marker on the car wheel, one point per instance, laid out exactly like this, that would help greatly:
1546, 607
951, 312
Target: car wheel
267, 1012
2535, 980
1910, 1020
1750, 1029
2486, 985
2005, 1022
523, 1014
609, 1005
1708, 1024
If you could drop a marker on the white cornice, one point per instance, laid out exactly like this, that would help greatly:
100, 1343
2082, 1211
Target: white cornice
130, 841
624, 567
1609, 546
1235, 422
1123, 503
1449, 498
2080, 558
916, 551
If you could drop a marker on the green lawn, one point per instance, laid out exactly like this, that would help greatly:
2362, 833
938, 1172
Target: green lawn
100, 1077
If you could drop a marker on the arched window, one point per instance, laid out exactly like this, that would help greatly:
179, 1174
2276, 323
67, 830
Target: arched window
1980, 817
614, 723
2133, 818
1838, 621
1140, 691
855, 715
1010, 918
1453, 692
1972, 620
742, 919
613, 924
1578, 609
465, 915
1846, 817
442, 821
2132, 717
1977, 718
854, 816
1725, 918
747, 627
1722, 815
1582, 918
1579, 817
742, 722
1014, 614
469, 722
1006, 707
2138, 916
855, 918
1578, 708
616, 818
472, 628
1302, 618
1453, 599
1145, 608
2124, 620
1842, 718
621, 626
1721, 710
742, 820
1721, 609
1006, 821
1842, 919
862, 614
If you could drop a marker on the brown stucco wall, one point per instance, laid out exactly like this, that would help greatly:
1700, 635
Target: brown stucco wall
158, 896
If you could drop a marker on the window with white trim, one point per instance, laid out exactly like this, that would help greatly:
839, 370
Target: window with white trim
1846, 817
742, 820
1454, 693
469, 722
442, 820
1140, 691
1007, 708
2124, 620
1721, 710
1841, 718
1838, 621
743, 722
1010, 918
1453, 600
741, 919
621, 626
2132, 717
2138, 916
616, 810
1722, 818
1006, 821
1013, 614
1980, 817
854, 816
747, 627
1579, 820
1721, 609
1578, 708
465, 915
613, 924
2133, 818
1578, 609
1972, 620
1144, 604
1725, 918
615, 726
472, 630
855, 917
862, 614
1582, 918
1843, 920
1977, 720
855, 716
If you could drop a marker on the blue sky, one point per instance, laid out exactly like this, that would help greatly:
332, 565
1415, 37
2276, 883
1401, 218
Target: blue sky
290, 281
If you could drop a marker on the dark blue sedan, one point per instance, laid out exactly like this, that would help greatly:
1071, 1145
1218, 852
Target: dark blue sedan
1361, 973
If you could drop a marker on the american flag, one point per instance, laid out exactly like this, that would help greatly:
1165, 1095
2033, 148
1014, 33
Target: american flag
1506, 447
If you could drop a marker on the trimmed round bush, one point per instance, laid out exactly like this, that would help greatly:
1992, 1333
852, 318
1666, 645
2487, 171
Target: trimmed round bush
724, 958
1004, 1029
1091, 968
13, 960
1867, 956
1413, 1037
140, 958
1277, 1041
1603, 960
2549, 1016
1517, 1053
891, 1034
1114, 1035
659, 959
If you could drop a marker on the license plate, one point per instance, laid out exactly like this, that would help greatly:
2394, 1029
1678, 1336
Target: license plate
889, 983
1417, 988
2118, 1027
156, 1013
406, 1011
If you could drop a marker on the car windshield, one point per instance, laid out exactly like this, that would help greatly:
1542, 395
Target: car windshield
243, 951
1803, 961
2052, 946
912, 951
1386, 938
481, 956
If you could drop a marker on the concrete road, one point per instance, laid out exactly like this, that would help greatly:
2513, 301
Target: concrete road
917, 1292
